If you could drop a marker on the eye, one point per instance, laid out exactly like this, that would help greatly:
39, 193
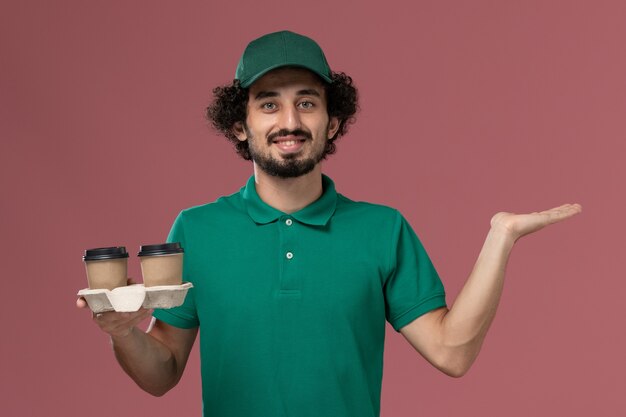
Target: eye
306, 104
268, 106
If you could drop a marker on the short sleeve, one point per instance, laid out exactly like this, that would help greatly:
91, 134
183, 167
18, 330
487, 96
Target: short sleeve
184, 316
412, 287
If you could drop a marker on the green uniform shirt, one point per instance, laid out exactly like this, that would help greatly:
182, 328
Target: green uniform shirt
292, 307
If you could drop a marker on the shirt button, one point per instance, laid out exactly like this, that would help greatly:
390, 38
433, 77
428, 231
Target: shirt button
288, 222
289, 255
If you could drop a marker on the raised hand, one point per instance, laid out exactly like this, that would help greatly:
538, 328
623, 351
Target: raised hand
518, 225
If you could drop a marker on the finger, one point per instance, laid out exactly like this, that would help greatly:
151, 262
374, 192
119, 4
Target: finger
112, 322
81, 303
562, 212
98, 316
568, 209
126, 323
141, 317
114, 318
553, 210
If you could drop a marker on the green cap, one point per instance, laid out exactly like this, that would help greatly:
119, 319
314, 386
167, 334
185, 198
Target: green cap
280, 49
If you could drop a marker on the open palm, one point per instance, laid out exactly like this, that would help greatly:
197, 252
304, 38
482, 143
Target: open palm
518, 225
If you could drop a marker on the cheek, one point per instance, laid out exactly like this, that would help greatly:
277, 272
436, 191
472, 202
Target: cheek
263, 121
318, 124
259, 126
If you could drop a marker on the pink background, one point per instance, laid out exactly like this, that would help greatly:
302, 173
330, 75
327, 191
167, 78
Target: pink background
468, 108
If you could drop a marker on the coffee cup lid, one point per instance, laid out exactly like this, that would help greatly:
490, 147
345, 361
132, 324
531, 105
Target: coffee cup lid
113, 252
160, 249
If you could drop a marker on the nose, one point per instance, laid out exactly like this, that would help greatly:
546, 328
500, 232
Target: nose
289, 118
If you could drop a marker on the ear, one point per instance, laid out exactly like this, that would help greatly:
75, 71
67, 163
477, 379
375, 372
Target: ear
239, 131
333, 127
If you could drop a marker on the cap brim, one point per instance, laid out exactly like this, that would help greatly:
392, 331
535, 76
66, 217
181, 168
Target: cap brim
247, 83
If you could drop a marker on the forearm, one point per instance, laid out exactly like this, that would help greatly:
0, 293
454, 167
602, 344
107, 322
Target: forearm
146, 360
451, 339
465, 326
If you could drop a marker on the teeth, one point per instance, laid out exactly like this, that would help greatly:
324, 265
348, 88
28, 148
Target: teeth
288, 142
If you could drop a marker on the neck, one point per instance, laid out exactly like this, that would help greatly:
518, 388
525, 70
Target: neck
289, 194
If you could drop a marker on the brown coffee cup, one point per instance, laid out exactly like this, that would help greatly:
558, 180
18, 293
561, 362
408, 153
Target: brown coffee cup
107, 268
161, 264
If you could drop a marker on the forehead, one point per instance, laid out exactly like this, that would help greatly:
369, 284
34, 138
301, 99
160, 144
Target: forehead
285, 79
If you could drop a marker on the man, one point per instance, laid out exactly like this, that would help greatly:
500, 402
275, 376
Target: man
292, 281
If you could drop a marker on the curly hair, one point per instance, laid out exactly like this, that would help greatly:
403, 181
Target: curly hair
230, 104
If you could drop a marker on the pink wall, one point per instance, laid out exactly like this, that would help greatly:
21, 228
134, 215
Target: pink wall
468, 108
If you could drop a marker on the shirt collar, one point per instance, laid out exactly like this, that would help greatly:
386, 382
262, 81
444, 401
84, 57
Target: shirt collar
316, 214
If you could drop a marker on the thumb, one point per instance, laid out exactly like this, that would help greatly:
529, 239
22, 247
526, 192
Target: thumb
81, 303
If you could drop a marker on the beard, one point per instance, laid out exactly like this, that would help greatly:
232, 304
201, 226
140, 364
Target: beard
291, 165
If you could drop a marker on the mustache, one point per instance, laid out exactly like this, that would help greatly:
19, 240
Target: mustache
286, 132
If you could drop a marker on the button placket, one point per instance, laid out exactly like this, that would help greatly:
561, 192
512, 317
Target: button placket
289, 255
289, 278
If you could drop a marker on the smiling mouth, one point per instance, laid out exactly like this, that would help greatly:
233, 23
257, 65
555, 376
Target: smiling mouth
289, 145
288, 142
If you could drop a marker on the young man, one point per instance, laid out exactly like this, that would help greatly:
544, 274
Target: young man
293, 282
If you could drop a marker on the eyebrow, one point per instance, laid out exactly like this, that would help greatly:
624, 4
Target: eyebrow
306, 92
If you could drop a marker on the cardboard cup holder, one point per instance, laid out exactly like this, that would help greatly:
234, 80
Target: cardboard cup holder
132, 297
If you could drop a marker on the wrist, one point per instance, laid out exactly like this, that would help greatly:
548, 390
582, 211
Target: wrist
503, 235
